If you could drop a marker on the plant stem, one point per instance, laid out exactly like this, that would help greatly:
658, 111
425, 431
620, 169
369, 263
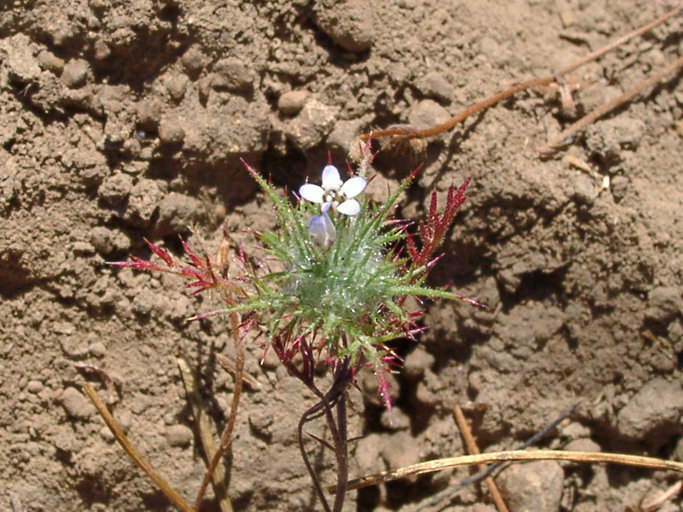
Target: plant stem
564, 138
341, 448
171, 494
202, 420
333, 398
514, 456
226, 436
404, 133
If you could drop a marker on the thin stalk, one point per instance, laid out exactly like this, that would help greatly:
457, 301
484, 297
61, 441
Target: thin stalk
135, 456
513, 456
552, 146
338, 430
474, 450
205, 436
407, 132
226, 436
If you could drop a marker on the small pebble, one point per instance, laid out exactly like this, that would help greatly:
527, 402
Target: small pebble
106, 240
98, 349
193, 61
115, 189
75, 73
435, 85
149, 114
231, 74
653, 414
142, 203
664, 303
179, 435
261, 422
34, 386
49, 61
532, 487
349, 23
170, 132
585, 191
176, 86
292, 102
101, 50
619, 187
310, 127
427, 113
75, 404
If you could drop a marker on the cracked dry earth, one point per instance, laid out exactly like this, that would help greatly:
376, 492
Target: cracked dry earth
126, 120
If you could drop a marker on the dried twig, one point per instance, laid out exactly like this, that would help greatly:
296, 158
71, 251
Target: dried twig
222, 263
513, 456
205, 436
229, 366
662, 498
404, 133
474, 449
121, 438
565, 137
110, 383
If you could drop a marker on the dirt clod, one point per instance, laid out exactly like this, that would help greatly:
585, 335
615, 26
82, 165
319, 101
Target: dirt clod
75, 73
170, 132
532, 487
75, 404
292, 102
654, 413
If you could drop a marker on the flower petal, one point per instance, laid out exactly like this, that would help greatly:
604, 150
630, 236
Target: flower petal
321, 230
353, 186
312, 193
331, 179
326, 206
350, 207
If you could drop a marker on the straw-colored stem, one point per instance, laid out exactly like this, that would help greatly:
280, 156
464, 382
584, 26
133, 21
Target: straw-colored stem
226, 436
562, 139
203, 426
513, 456
407, 132
121, 438
474, 450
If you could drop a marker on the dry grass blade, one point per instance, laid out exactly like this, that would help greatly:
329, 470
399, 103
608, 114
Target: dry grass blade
512, 456
203, 426
231, 367
474, 449
564, 138
226, 437
399, 134
121, 438
665, 496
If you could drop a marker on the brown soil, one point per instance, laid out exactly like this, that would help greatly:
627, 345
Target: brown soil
126, 120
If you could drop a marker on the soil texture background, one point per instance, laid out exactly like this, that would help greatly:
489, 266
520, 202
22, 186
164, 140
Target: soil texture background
122, 121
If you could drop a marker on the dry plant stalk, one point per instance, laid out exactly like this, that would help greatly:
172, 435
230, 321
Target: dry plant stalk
563, 138
223, 264
512, 456
213, 473
662, 498
403, 133
121, 438
205, 436
474, 450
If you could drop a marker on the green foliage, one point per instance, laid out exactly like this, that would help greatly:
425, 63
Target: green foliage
347, 295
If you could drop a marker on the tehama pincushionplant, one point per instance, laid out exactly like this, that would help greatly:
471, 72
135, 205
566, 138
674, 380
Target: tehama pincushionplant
332, 288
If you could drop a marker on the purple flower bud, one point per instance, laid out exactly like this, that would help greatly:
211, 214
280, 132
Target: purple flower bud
321, 230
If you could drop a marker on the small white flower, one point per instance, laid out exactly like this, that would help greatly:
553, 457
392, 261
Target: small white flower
321, 230
334, 192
